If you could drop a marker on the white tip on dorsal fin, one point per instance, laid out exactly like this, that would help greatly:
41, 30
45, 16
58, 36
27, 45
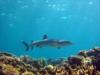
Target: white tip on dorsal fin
45, 36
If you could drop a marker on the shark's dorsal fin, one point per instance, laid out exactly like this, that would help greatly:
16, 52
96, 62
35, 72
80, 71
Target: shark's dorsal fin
45, 37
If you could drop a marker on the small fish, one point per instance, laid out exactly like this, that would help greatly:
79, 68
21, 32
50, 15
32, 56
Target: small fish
46, 42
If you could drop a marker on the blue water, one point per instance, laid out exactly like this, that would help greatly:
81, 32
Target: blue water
75, 20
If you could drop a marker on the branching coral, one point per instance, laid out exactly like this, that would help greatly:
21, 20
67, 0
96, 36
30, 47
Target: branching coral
28, 73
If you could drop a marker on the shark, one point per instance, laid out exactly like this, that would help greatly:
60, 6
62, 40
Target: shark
46, 42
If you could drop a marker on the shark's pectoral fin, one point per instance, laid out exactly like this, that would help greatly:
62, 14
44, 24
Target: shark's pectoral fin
57, 46
39, 46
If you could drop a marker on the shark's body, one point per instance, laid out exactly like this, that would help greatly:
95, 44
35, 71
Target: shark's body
47, 42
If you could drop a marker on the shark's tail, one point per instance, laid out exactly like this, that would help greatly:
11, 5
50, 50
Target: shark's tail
26, 45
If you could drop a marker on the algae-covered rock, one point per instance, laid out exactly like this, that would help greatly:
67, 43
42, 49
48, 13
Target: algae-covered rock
87, 60
91, 53
6, 53
94, 52
83, 53
75, 60
28, 73
49, 67
97, 49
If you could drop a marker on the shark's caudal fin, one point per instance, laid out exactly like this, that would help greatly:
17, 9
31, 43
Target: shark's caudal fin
31, 45
26, 45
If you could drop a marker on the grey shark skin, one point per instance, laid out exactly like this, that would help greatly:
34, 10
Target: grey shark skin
47, 42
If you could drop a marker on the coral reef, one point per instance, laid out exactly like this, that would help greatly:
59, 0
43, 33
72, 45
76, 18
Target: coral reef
86, 62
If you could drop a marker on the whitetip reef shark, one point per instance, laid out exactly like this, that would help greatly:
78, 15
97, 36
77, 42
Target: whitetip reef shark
46, 42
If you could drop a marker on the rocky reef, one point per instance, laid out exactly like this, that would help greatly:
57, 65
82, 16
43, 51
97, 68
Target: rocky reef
86, 62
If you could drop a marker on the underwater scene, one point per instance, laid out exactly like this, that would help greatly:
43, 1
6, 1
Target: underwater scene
49, 37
